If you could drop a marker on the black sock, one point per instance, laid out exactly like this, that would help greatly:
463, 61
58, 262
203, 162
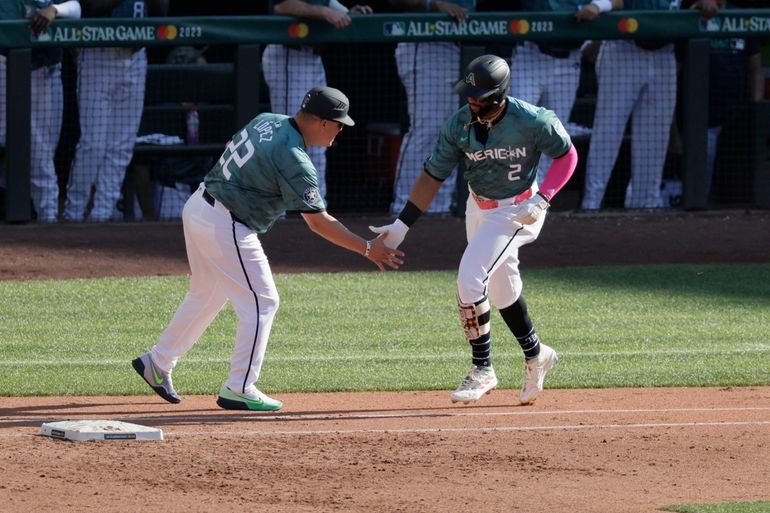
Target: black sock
481, 349
518, 321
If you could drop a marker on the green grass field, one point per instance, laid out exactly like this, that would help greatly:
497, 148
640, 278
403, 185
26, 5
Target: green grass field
647, 326
742, 507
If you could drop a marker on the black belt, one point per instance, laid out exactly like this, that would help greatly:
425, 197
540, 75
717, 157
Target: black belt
210, 200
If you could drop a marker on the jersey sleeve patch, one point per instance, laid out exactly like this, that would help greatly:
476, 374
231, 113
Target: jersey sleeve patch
311, 195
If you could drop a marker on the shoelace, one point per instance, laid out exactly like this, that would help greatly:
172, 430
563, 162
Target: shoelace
470, 380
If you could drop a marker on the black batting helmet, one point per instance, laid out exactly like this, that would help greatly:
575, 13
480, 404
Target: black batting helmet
486, 77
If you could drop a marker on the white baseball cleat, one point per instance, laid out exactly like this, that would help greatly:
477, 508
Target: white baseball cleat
479, 381
534, 373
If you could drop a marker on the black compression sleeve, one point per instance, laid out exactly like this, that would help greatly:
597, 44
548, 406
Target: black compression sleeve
409, 214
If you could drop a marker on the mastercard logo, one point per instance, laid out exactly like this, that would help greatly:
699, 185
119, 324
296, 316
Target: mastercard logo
298, 30
628, 25
518, 26
166, 32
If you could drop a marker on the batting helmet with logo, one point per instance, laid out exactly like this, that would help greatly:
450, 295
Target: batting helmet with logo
486, 78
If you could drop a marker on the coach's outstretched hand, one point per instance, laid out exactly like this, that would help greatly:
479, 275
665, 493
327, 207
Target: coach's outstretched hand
382, 255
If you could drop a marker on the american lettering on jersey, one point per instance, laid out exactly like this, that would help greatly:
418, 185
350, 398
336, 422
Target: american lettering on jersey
497, 153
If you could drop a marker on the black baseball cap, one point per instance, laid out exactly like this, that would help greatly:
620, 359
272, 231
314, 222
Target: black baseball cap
327, 103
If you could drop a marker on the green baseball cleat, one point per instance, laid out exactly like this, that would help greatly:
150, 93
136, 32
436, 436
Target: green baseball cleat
256, 401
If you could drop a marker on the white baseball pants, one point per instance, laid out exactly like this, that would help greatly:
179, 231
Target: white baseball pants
111, 84
227, 262
45, 128
641, 84
490, 263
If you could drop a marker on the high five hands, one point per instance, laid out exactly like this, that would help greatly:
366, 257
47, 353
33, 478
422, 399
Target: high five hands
383, 255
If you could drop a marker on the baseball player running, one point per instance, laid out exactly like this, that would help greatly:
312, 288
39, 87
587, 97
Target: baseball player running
264, 170
499, 139
47, 99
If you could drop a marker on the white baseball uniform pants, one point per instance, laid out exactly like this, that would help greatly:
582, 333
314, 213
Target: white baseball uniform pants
227, 262
111, 84
545, 81
45, 128
290, 74
490, 263
641, 84
428, 72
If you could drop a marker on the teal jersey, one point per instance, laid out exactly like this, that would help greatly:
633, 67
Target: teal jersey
506, 165
552, 5
130, 9
264, 171
20, 9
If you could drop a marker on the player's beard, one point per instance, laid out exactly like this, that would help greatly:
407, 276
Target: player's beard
487, 113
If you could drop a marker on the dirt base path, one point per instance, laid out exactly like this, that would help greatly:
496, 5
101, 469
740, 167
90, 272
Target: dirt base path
587, 451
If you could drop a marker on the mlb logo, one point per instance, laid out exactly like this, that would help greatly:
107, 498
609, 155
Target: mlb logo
394, 28
712, 25
44, 36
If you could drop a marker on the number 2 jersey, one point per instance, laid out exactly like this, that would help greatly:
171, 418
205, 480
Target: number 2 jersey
264, 171
506, 165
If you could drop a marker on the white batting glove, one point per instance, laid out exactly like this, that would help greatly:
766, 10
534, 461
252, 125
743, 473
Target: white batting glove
396, 231
530, 210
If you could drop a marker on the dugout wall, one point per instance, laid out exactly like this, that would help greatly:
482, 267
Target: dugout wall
359, 60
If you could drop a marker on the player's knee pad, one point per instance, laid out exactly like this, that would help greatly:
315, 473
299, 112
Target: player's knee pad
474, 318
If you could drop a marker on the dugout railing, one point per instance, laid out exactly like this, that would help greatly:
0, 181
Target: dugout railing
379, 33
